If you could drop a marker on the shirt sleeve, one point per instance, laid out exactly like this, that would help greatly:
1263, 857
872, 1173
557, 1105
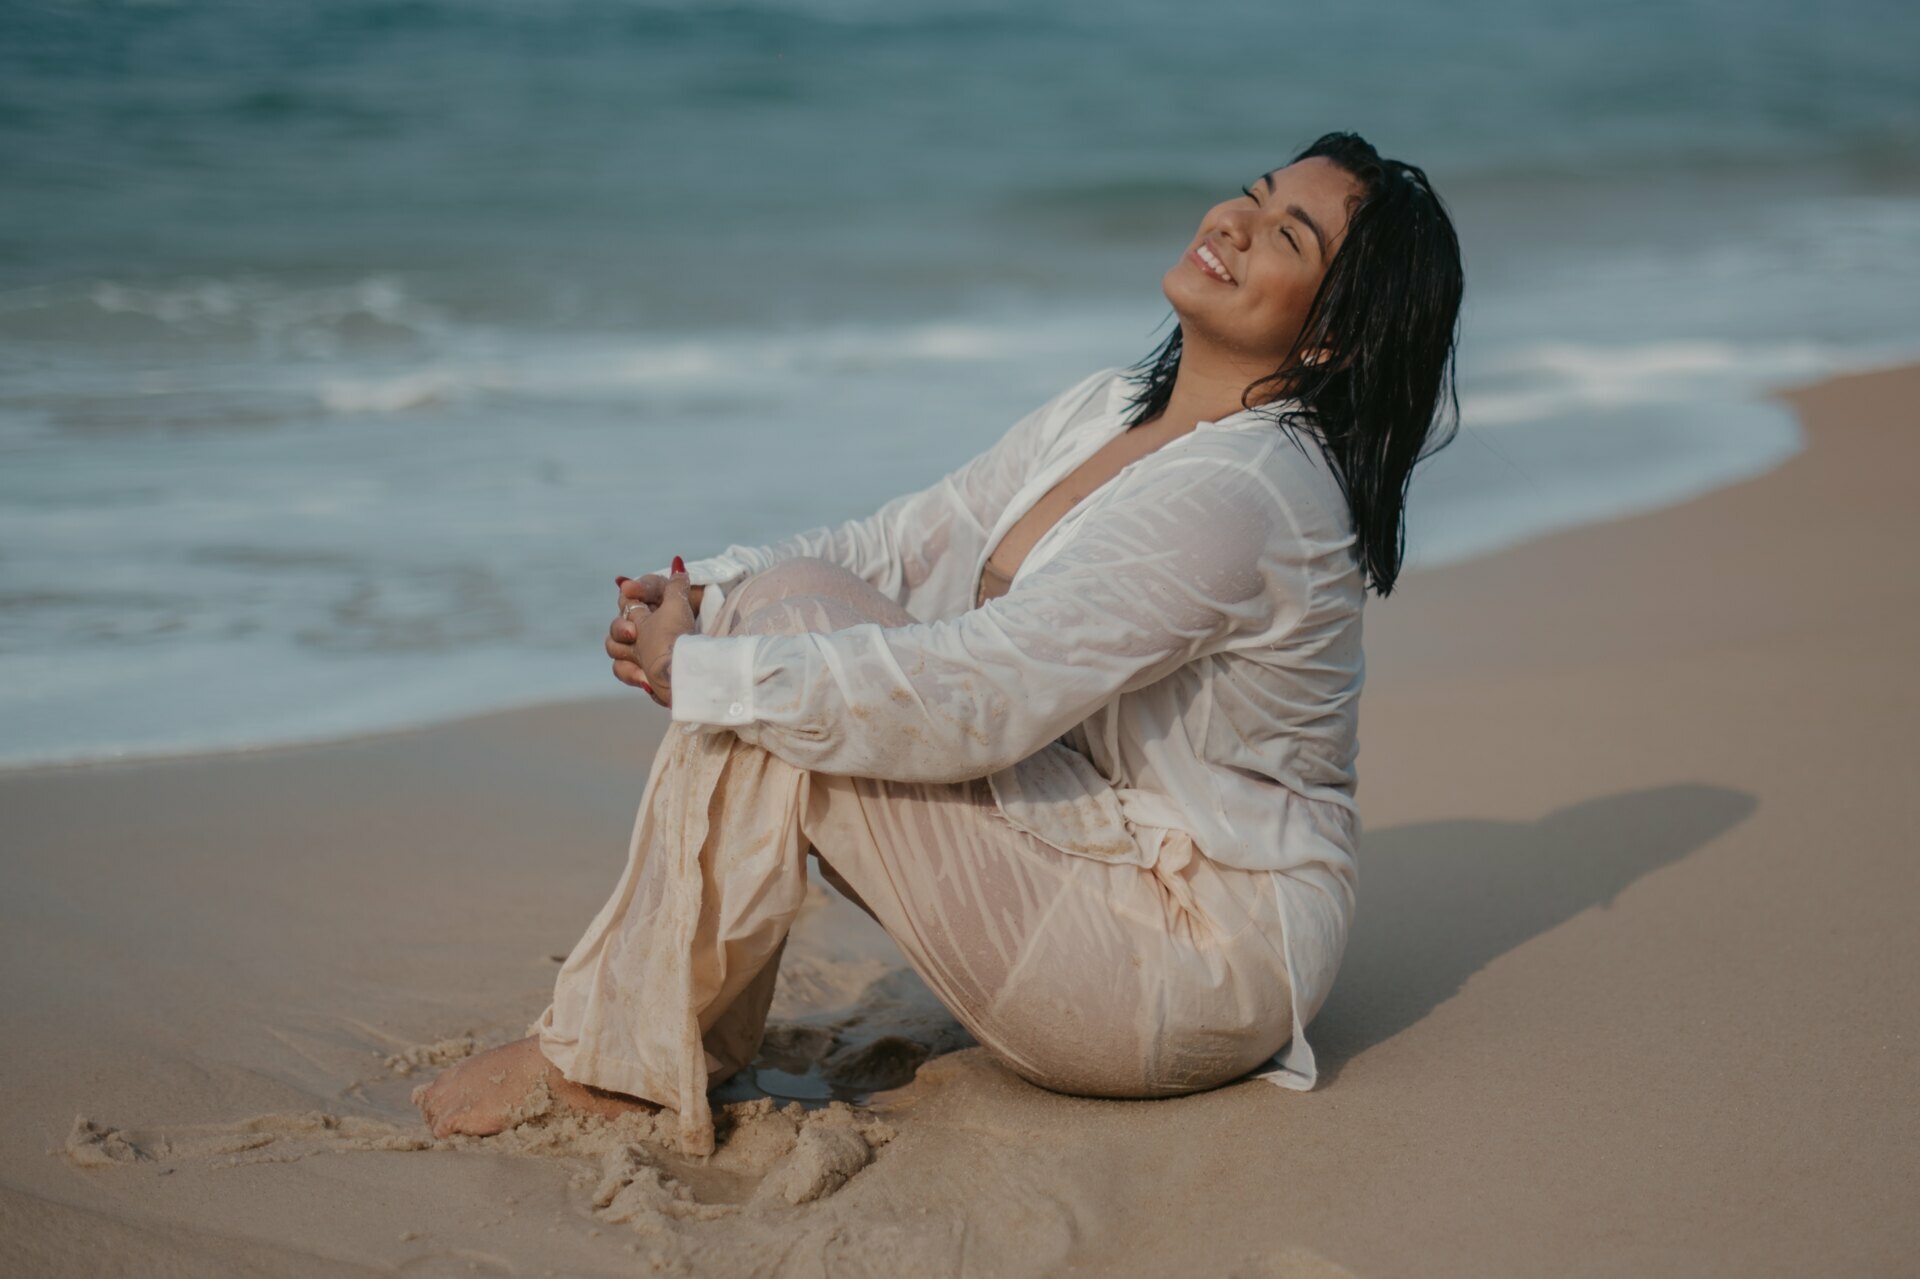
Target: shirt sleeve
1170, 568
919, 549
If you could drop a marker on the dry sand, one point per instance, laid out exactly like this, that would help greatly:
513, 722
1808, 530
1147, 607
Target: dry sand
1632, 986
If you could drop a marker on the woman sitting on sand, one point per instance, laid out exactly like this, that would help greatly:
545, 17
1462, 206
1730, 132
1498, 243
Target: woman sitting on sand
1076, 725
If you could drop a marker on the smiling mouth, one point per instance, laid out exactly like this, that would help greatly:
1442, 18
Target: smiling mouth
1210, 264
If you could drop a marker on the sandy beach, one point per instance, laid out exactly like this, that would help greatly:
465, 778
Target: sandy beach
1631, 988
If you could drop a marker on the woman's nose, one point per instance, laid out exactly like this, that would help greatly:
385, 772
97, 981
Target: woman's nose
1231, 223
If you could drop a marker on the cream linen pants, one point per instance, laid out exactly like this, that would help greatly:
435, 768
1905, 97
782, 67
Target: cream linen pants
1083, 976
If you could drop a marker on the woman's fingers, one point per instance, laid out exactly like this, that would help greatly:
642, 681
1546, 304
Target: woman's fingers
619, 642
677, 605
640, 597
658, 629
647, 590
621, 630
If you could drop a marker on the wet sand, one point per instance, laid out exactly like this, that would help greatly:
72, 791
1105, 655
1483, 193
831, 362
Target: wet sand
1632, 985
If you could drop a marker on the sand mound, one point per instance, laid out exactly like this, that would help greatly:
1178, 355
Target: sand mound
767, 1156
421, 1056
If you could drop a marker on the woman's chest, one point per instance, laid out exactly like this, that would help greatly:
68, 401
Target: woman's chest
1107, 461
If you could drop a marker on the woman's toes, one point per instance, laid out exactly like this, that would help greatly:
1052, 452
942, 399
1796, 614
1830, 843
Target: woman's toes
446, 1119
470, 1123
475, 1097
436, 1103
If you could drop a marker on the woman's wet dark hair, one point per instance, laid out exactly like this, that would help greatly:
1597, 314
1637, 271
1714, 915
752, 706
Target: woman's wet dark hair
1388, 311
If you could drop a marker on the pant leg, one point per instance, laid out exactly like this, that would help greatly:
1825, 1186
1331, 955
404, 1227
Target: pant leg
692, 933
668, 990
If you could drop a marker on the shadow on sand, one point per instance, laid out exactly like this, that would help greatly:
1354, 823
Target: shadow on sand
1439, 900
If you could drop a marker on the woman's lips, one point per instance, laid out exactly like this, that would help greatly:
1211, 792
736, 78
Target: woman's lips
1206, 268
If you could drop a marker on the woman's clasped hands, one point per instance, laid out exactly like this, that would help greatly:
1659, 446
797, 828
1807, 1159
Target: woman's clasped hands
654, 612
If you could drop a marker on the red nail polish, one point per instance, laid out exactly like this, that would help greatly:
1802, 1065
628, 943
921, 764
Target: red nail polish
679, 565
618, 580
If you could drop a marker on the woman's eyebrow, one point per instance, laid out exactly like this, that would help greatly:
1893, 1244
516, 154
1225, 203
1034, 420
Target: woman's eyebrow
1300, 213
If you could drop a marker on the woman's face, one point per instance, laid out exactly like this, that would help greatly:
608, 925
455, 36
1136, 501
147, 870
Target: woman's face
1275, 246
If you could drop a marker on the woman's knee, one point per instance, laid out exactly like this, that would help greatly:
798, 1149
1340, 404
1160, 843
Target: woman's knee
803, 575
807, 594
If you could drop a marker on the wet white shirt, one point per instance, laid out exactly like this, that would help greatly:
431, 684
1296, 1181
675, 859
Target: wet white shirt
1181, 650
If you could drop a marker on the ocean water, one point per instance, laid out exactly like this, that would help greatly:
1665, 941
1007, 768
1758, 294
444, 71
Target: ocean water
348, 349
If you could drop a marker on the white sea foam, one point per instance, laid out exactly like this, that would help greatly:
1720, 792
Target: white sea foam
1562, 377
402, 392
604, 366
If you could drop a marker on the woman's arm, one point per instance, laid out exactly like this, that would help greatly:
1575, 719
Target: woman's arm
1164, 573
919, 549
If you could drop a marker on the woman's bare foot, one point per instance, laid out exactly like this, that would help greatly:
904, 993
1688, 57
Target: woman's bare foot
499, 1088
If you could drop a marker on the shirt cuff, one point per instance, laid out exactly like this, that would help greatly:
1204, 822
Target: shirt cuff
715, 570
713, 679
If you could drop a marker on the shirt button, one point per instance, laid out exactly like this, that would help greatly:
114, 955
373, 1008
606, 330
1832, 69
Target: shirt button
736, 709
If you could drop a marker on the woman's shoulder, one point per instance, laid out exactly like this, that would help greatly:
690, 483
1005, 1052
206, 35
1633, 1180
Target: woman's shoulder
1281, 480
1288, 462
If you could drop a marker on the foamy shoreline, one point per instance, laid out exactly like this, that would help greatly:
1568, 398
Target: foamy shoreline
330, 702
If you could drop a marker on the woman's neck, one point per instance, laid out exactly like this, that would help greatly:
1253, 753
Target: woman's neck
1207, 387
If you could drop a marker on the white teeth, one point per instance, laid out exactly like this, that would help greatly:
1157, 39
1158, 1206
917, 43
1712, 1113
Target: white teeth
1219, 269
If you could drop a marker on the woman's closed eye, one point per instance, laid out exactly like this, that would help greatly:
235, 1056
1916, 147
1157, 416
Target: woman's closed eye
1286, 234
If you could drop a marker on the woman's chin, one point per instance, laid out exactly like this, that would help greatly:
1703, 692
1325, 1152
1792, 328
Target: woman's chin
1181, 302
1191, 298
